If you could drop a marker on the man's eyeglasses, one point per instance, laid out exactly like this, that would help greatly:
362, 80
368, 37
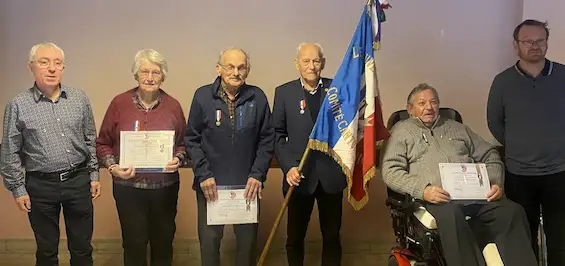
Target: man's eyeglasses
530, 43
230, 69
59, 65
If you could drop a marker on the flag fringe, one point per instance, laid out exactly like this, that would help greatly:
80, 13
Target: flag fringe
359, 204
356, 204
315, 144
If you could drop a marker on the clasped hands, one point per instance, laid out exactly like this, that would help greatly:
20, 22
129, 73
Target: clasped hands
435, 194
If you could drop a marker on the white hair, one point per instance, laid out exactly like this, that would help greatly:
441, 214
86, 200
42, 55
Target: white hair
301, 45
247, 59
151, 56
33, 50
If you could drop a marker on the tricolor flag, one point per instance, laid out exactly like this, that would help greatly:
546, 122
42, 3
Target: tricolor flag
350, 122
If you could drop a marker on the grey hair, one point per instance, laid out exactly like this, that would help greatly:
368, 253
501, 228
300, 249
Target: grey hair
420, 88
247, 58
152, 56
33, 50
301, 45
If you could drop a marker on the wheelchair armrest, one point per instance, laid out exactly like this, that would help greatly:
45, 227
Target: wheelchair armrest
401, 202
394, 203
407, 206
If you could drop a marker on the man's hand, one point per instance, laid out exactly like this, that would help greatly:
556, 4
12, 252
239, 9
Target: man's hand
293, 177
95, 188
435, 194
24, 203
209, 188
124, 174
252, 189
173, 165
495, 193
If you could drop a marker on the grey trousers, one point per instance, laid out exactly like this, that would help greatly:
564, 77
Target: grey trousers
210, 237
505, 223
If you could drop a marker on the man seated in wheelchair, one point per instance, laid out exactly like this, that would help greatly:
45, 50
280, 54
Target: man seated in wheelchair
410, 166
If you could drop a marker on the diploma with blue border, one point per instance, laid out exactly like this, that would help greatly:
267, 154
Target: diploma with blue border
231, 207
146, 151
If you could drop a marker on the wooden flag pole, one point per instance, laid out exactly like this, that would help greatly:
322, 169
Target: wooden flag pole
281, 213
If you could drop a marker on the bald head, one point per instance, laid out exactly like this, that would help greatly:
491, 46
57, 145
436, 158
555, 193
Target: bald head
310, 62
233, 67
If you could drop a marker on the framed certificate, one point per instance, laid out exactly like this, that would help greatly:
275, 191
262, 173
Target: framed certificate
465, 181
231, 207
146, 151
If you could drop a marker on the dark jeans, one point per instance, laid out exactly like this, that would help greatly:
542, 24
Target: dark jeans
329, 215
505, 223
147, 216
210, 237
546, 191
48, 194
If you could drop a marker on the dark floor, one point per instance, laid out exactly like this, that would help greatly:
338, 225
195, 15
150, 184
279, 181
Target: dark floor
181, 259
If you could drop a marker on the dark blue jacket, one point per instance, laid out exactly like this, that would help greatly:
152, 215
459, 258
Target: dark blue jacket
230, 155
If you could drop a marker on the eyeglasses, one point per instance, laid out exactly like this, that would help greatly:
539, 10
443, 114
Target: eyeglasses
44, 63
145, 73
230, 69
529, 43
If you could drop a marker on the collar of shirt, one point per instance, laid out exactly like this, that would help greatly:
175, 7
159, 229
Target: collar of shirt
38, 95
138, 104
223, 93
320, 84
547, 69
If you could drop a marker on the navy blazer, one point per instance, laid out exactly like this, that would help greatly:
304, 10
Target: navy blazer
292, 130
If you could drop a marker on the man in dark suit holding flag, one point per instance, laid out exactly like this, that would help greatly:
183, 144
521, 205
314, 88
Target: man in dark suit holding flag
295, 112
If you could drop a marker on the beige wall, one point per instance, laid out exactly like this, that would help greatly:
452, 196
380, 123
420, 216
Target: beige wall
457, 46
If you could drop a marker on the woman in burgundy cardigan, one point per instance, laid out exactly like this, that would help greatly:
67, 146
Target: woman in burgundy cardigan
146, 202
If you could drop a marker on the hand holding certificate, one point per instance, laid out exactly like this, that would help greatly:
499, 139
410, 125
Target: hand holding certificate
146, 151
231, 207
465, 181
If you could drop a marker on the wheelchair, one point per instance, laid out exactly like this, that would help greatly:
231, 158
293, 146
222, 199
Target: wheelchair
418, 241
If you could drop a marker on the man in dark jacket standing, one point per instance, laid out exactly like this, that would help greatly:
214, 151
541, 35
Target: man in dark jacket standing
296, 108
230, 140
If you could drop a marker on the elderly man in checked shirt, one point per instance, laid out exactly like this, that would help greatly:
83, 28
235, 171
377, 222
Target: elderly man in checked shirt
49, 131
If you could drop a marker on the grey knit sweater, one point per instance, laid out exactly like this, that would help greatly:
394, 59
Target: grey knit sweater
412, 154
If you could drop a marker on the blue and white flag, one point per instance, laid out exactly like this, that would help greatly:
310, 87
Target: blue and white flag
350, 120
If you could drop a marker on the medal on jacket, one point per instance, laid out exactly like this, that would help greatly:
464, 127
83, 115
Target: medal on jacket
218, 117
302, 106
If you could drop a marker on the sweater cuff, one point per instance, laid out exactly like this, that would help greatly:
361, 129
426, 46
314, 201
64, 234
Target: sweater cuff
419, 191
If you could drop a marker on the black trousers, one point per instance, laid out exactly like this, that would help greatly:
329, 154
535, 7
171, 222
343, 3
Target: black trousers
147, 216
546, 191
329, 216
210, 237
505, 223
48, 195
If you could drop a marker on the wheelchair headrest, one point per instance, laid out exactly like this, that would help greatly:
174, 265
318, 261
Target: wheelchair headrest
403, 114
